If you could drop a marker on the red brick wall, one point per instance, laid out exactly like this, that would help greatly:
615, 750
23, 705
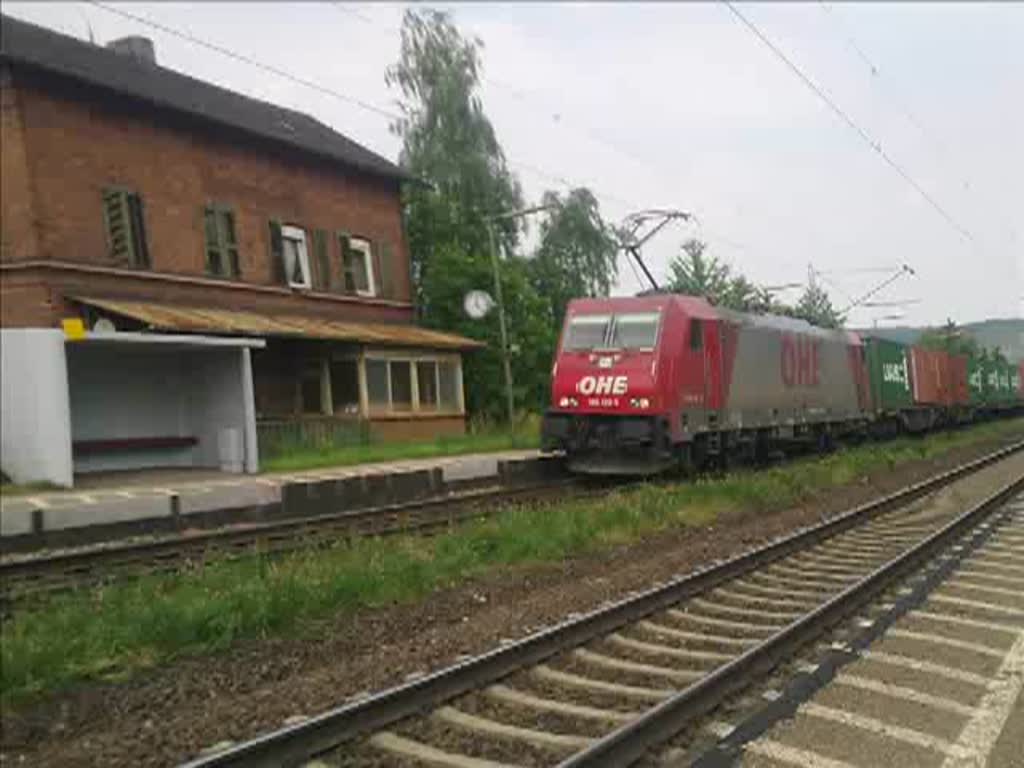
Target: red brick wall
21, 310
80, 141
17, 222
417, 428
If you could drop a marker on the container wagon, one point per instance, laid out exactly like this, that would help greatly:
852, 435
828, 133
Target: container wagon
891, 391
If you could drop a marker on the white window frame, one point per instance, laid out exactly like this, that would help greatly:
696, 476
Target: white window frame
412, 360
362, 245
298, 236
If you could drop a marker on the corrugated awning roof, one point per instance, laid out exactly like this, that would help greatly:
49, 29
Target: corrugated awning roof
171, 317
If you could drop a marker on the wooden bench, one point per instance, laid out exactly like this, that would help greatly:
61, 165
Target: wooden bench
122, 444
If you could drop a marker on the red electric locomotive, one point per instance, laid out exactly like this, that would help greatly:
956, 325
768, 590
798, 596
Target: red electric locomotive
642, 384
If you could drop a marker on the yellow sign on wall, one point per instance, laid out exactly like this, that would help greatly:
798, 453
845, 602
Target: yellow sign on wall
74, 328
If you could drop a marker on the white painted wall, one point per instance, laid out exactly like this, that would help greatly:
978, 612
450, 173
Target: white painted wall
129, 390
122, 391
35, 431
217, 409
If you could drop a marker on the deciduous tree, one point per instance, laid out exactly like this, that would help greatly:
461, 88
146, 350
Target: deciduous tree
578, 251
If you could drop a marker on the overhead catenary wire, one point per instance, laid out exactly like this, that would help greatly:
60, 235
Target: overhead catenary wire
872, 143
941, 147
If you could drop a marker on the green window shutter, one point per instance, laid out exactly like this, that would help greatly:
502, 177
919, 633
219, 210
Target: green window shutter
276, 254
118, 225
346, 280
321, 266
136, 214
214, 251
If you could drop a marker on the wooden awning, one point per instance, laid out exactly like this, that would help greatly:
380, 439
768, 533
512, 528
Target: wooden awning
173, 317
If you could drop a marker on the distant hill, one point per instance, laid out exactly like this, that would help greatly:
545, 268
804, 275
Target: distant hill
1007, 334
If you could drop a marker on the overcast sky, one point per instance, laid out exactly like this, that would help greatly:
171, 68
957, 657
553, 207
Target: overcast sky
682, 106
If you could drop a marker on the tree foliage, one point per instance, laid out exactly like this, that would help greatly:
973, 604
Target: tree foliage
816, 308
697, 273
449, 143
950, 338
577, 255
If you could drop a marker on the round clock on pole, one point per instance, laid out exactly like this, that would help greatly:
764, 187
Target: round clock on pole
477, 304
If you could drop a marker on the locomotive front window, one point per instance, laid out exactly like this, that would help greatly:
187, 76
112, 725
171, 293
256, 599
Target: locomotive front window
635, 331
587, 332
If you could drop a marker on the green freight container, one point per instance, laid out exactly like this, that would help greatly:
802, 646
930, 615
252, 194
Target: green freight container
976, 380
889, 372
1005, 382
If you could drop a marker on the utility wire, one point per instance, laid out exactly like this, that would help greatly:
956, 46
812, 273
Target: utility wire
247, 60
876, 75
864, 135
556, 117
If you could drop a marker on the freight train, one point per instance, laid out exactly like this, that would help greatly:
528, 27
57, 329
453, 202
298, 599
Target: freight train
645, 384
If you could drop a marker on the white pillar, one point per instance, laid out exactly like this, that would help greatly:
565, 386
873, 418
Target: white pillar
460, 390
35, 423
251, 441
364, 394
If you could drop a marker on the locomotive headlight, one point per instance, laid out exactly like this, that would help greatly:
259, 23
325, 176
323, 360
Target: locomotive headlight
568, 402
640, 402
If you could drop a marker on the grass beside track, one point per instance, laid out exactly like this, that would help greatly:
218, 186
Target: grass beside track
484, 441
111, 632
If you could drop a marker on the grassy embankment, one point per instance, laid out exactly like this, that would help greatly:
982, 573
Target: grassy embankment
109, 633
483, 439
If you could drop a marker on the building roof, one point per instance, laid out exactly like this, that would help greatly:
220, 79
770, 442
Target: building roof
171, 317
27, 44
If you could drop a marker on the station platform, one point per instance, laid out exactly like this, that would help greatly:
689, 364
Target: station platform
122, 497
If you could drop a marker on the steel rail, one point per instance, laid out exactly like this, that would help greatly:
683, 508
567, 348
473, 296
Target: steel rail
632, 741
22, 578
294, 744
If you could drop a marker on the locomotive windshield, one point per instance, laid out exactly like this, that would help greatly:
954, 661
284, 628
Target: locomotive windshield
636, 330
587, 331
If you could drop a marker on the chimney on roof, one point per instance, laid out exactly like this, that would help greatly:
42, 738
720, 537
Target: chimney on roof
137, 47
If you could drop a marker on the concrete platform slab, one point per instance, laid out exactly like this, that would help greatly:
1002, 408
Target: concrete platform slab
109, 498
123, 510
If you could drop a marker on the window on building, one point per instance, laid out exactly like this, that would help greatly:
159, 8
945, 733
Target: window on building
345, 386
390, 384
312, 388
401, 385
126, 228
221, 242
378, 388
295, 257
426, 379
448, 384
357, 266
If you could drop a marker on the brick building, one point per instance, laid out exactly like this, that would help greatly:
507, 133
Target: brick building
139, 199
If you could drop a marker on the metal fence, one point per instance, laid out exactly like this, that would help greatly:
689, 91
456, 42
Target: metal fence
280, 437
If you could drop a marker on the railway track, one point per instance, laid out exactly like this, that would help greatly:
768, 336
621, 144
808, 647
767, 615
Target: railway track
31, 576
925, 676
606, 688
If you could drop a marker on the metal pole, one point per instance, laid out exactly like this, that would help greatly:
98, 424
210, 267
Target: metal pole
501, 322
